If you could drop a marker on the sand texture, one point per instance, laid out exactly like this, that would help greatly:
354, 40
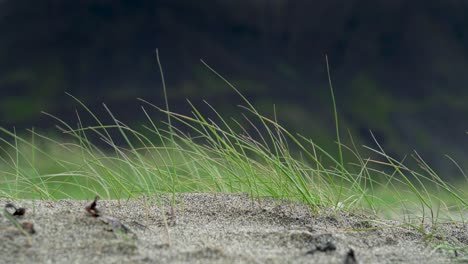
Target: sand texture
209, 228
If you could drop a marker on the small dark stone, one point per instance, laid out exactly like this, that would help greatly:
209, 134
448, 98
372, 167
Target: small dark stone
327, 247
20, 211
350, 257
12, 210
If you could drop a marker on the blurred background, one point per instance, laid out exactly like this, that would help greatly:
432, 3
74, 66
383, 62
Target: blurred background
399, 68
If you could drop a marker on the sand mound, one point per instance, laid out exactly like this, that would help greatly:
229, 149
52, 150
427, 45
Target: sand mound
209, 228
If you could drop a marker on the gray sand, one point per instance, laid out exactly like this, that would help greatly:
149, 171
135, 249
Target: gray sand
209, 228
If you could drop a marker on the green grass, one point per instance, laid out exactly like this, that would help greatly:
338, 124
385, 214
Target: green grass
191, 153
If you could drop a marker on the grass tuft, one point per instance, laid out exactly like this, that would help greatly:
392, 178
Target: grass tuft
193, 153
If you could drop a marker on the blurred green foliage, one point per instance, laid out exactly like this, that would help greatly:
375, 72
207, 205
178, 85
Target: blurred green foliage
399, 68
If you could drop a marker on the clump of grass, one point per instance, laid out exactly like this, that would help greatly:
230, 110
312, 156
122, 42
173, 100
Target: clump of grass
192, 153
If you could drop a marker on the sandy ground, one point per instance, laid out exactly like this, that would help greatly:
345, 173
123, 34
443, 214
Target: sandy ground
209, 228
